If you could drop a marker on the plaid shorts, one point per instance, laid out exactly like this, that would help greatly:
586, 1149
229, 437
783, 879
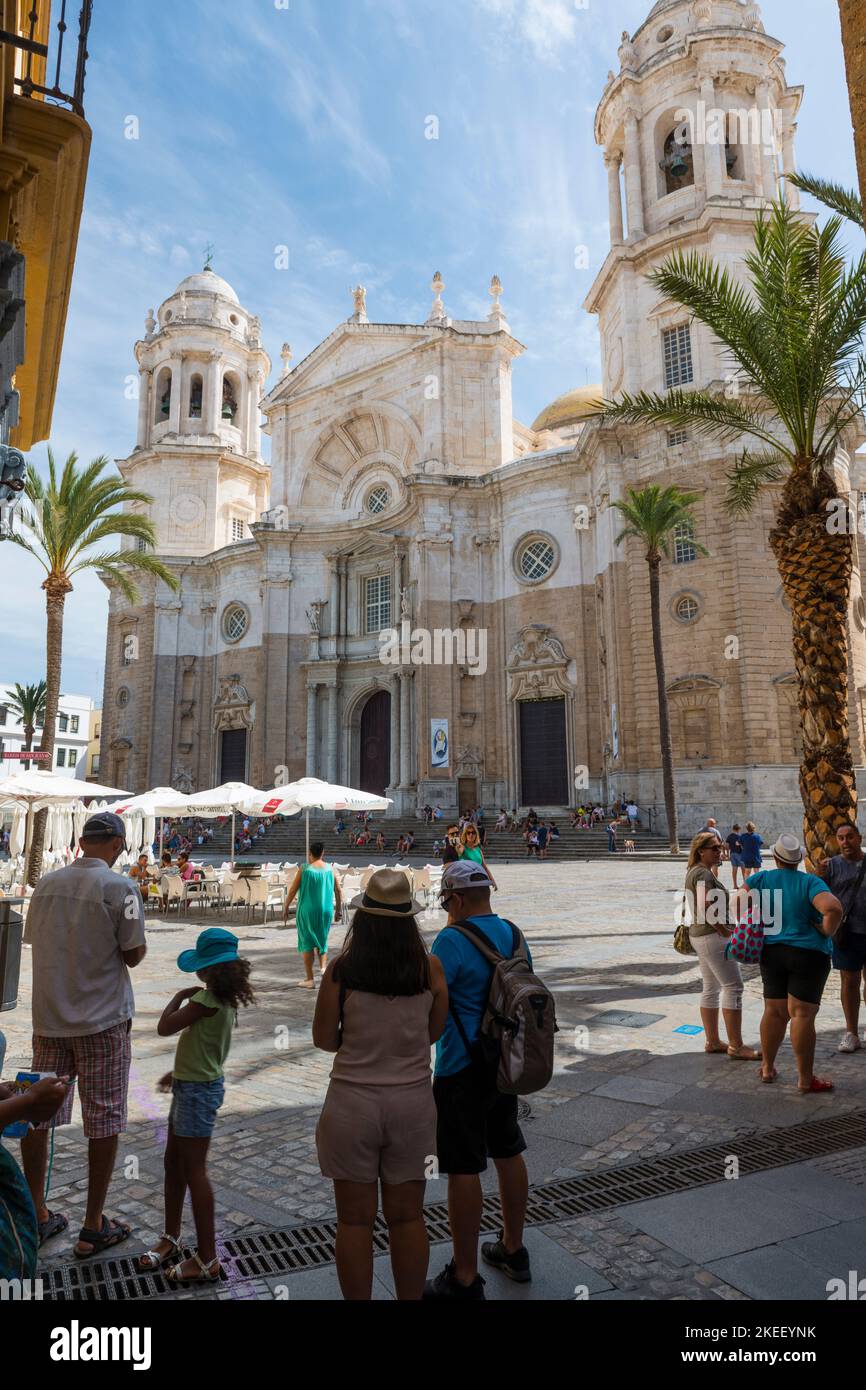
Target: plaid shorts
100, 1062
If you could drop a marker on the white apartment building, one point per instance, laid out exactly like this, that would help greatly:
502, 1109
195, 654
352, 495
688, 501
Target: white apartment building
72, 748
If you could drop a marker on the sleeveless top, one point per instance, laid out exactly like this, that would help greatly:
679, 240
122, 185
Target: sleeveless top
386, 1041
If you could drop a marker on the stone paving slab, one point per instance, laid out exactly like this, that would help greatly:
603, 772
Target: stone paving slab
773, 1272
638, 1089
727, 1218
836, 1250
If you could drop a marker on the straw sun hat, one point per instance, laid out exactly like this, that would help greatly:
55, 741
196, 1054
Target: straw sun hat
387, 895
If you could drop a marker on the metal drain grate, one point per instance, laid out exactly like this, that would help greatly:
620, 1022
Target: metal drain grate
272, 1253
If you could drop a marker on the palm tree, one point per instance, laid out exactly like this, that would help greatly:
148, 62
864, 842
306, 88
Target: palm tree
654, 515
28, 706
71, 518
792, 335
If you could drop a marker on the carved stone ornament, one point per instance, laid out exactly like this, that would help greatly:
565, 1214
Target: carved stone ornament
182, 780
470, 763
233, 708
538, 666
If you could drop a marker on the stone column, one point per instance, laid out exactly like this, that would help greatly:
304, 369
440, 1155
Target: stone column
613, 161
332, 732
253, 426
334, 601
789, 154
633, 177
714, 154
767, 152
312, 728
395, 731
176, 364
213, 402
344, 605
145, 391
406, 728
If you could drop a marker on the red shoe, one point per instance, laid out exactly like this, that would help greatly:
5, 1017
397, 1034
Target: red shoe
816, 1087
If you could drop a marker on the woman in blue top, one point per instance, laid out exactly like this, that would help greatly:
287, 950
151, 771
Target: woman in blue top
800, 917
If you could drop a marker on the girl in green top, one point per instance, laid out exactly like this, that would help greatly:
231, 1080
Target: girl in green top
204, 1018
470, 848
318, 894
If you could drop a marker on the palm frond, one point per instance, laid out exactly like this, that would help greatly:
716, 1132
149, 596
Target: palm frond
752, 472
841, 200
715, 416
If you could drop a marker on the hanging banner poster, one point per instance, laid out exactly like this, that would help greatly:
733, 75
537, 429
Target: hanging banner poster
440, 752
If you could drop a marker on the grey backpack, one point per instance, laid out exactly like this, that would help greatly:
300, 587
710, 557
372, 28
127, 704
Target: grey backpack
516, 1036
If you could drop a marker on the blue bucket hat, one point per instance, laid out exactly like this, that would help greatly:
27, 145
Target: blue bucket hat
212, 948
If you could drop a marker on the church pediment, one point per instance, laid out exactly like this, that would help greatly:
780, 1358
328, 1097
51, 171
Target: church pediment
351, 350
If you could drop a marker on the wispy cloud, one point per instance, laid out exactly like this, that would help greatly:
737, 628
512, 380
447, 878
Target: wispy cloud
547, 26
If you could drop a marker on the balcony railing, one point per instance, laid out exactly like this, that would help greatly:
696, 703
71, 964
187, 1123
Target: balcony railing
53, 55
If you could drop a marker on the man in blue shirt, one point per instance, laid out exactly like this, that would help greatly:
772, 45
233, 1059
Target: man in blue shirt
475, 1121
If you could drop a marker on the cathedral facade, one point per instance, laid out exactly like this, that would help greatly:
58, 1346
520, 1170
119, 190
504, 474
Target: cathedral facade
422, 596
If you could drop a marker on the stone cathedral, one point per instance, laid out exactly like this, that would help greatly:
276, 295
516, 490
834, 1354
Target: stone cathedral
403, 496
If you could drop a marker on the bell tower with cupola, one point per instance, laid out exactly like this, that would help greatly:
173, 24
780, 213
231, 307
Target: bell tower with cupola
202, 373
698, 129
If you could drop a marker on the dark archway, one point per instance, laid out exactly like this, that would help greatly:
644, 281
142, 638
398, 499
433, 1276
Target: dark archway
376, 744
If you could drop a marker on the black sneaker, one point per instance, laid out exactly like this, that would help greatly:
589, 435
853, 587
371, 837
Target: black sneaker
515, 1266
446, 1286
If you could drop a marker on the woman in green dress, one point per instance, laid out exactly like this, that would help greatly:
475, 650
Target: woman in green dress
470, 848
318, 894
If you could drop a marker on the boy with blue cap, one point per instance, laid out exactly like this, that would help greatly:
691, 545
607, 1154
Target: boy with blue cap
204, 1018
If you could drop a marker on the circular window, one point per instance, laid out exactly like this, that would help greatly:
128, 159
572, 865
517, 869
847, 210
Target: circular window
687, 609
233, 318
379, 500
665, 35
123, 697
536, 559
236, 620
167, 316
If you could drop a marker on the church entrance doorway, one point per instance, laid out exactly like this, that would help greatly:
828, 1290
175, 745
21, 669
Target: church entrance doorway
543, 753
376, 744
467, 794
233, 756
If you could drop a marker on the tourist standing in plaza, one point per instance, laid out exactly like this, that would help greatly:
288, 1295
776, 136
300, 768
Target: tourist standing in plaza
845, 876
735, 854
709, 933
796, 957
204, 1016
85, 926
470, 848
711, 827
318, 894
475, 1120
752, 844
381, 1005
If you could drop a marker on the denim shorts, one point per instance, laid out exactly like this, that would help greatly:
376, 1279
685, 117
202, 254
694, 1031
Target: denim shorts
194, 1107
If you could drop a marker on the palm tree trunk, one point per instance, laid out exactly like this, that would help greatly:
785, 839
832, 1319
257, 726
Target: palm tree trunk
29, 730
816, 568
55, 592
664, 713
851, 12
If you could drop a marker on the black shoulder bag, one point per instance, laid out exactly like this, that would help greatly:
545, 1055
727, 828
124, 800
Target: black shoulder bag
844, 931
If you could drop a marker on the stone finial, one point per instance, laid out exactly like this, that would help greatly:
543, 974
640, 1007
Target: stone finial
150, 324
627, 54
286, 355
496, 314
437, 313
359, 297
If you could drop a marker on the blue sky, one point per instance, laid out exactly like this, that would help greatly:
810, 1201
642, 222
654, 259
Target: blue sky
304, 126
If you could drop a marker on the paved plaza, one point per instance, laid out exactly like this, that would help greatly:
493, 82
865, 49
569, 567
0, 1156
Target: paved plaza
601, 937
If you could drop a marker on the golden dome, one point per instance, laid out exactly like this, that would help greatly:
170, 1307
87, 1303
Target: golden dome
570, 409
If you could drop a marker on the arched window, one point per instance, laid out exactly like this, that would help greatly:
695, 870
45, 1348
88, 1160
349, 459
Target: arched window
678, 162
231, 397
163, 396
196, 392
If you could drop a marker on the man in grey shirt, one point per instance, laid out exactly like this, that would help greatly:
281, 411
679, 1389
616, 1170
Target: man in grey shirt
85, 926
841, 874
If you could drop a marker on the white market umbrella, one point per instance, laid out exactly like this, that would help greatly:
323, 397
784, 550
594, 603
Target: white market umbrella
225, 800
149, 833
160, 802
311, 794
37, 790
16, 839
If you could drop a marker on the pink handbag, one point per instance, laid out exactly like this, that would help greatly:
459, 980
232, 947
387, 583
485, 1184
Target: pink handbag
747, 940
